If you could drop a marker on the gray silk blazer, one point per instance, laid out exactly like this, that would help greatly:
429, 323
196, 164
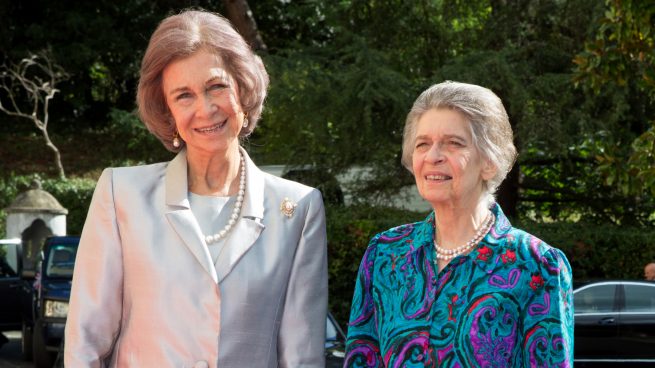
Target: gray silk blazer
145, 293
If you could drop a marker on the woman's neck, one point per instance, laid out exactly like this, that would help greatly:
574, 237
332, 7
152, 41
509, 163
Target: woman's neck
455, 226
215, 174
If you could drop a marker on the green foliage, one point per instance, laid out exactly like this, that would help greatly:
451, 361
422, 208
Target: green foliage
138, 145
73, 194
326, 109
599, 251
622, 55
623, 47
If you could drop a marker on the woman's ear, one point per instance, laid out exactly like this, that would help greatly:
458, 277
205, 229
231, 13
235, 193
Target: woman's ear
489, 170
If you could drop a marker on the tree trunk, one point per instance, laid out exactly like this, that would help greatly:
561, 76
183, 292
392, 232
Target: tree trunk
48, 142
243, 20
508, 193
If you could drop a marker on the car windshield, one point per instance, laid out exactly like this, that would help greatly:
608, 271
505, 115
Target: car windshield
61, 260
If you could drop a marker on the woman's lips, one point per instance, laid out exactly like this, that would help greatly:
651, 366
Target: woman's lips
438, 177
212, 128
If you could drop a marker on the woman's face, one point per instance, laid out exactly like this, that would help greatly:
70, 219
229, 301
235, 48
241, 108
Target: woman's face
203, 100
447, 166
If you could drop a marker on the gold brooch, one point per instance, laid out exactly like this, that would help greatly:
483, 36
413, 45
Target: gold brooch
287, 207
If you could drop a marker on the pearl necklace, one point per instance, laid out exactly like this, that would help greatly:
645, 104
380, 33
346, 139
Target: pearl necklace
448, 254
237, 208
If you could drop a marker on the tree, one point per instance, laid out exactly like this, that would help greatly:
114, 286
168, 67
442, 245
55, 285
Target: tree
344, 77
238, 11
34, 80
622, 55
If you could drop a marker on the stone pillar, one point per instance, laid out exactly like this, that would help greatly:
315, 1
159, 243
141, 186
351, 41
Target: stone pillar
33, 216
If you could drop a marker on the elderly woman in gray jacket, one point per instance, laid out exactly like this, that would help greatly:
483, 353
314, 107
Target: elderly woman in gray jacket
204, 261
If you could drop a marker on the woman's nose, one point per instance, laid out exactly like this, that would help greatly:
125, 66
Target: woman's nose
206, 107
435, 154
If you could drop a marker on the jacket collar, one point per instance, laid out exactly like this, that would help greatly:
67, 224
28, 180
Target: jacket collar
177, 186
247, 229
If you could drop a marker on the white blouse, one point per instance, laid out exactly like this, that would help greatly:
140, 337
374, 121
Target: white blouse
212, 214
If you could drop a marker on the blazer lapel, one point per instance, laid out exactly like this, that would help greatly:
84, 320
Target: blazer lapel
249, 227
179, 213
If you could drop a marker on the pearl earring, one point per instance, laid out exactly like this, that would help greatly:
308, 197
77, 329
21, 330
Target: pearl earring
176, 140
245, 120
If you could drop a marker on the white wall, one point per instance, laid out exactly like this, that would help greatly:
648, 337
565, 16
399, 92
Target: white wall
407, 197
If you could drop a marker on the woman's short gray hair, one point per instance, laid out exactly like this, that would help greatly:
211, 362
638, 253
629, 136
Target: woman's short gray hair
180, 36
488, 120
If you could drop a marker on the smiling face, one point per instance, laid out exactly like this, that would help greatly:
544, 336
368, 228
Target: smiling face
203, 100
448, 169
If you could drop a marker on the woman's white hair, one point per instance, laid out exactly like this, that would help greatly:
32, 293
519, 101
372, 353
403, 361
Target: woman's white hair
490, 128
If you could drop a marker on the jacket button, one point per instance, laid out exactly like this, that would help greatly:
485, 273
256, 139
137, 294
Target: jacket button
201, 364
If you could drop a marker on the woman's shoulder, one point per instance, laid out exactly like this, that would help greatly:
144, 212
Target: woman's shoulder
138, 169
135, 174
532, 249
278, 186
529, 243
403, 238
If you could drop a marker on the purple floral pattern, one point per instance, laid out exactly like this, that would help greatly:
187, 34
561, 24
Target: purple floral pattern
508, 303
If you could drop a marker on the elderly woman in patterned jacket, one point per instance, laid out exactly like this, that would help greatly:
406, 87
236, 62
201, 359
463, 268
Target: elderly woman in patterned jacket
463, 288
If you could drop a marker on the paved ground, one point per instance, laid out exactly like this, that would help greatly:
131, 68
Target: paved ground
10, 356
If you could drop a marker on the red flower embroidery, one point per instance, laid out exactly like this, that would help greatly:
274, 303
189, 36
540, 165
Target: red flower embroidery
537, 282
508, 256
484, 253
451, 305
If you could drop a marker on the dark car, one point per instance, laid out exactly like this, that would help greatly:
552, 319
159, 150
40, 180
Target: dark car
10, 311
335, 343
50, 292
615, 322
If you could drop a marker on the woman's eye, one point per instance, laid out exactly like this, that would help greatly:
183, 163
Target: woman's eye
421, 145
455, 143
217, 87
182, 96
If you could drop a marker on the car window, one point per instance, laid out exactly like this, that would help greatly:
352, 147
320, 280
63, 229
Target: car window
595, 299
330, 331
61, 260
639, 298
8, 260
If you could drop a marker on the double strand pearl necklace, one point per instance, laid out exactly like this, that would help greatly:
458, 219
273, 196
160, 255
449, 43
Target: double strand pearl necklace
209, 239
448, 254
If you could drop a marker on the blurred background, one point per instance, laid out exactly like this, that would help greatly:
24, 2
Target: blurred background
577, 79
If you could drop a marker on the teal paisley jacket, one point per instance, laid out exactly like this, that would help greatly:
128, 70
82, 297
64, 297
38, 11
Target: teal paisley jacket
508, 303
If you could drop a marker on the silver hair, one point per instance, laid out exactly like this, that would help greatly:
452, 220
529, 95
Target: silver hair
490, 128
180, 36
